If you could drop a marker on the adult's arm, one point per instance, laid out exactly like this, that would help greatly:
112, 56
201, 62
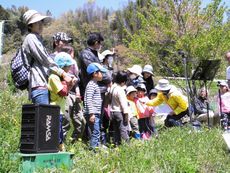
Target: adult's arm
39, 52
156, 101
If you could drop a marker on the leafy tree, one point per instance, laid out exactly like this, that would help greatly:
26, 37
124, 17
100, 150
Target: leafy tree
169, 26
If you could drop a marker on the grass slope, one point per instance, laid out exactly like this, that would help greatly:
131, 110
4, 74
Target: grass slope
176, 150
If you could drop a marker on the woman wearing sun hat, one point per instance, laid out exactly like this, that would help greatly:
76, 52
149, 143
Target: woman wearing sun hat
40, 60
147, 73
176, 101
134, 75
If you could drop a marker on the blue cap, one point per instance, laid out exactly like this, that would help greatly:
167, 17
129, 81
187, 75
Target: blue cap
63, 59
93, 67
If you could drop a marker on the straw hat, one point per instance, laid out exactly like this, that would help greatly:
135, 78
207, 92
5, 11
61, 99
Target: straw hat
32, 16
163, 85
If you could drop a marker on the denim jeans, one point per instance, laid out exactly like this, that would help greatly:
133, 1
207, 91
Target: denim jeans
40, 96
94, 131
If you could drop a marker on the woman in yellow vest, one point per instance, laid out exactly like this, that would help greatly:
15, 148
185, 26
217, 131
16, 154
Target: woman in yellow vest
170, 95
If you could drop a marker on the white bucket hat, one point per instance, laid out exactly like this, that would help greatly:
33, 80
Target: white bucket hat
107, 52
163, 85
130, 89
101, 57
141, 86
148, 68
136, 69
32, 16
153, 91
223, 83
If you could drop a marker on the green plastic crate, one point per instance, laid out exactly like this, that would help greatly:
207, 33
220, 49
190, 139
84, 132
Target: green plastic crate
32, 162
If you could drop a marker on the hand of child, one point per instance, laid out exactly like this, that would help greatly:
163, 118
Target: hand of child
74, 80
142, 101
78, 95
78, 99
64, 83
67, 78
92, 118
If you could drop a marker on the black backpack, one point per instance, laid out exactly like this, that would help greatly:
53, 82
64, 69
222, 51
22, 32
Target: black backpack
20, 70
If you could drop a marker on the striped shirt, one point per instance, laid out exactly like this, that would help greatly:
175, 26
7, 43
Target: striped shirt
92, 98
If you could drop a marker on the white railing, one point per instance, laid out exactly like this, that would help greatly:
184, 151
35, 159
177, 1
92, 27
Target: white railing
1, 38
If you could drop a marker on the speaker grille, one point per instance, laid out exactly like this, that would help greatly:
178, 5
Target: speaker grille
39, 128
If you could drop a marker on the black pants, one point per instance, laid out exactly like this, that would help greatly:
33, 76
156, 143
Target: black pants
144, 125
172, 120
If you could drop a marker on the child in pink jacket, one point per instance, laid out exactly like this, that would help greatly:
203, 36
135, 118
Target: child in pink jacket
144, 112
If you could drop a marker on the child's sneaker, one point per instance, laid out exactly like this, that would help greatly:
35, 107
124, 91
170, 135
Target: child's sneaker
137, 136
148, 135
144, 137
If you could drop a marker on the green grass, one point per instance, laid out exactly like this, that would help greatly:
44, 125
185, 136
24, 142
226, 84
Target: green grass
176, 150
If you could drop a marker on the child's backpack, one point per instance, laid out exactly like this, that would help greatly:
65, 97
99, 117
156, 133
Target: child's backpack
20, 70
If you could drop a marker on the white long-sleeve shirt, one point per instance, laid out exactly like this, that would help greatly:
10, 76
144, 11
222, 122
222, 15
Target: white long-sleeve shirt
119, 101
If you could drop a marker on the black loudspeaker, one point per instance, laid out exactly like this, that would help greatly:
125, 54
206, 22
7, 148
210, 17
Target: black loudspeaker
39, 128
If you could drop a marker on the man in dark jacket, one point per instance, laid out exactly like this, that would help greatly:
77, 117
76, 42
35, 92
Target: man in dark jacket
87, 56
90, 55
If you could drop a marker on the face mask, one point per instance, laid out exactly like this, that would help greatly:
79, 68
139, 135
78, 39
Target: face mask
110, 61
132, 76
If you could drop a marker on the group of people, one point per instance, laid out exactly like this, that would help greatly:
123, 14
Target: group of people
117, 104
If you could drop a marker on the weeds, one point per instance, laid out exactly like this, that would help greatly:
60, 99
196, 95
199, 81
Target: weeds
176, 149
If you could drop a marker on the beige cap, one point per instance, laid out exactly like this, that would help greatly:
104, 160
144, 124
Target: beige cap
32, 16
